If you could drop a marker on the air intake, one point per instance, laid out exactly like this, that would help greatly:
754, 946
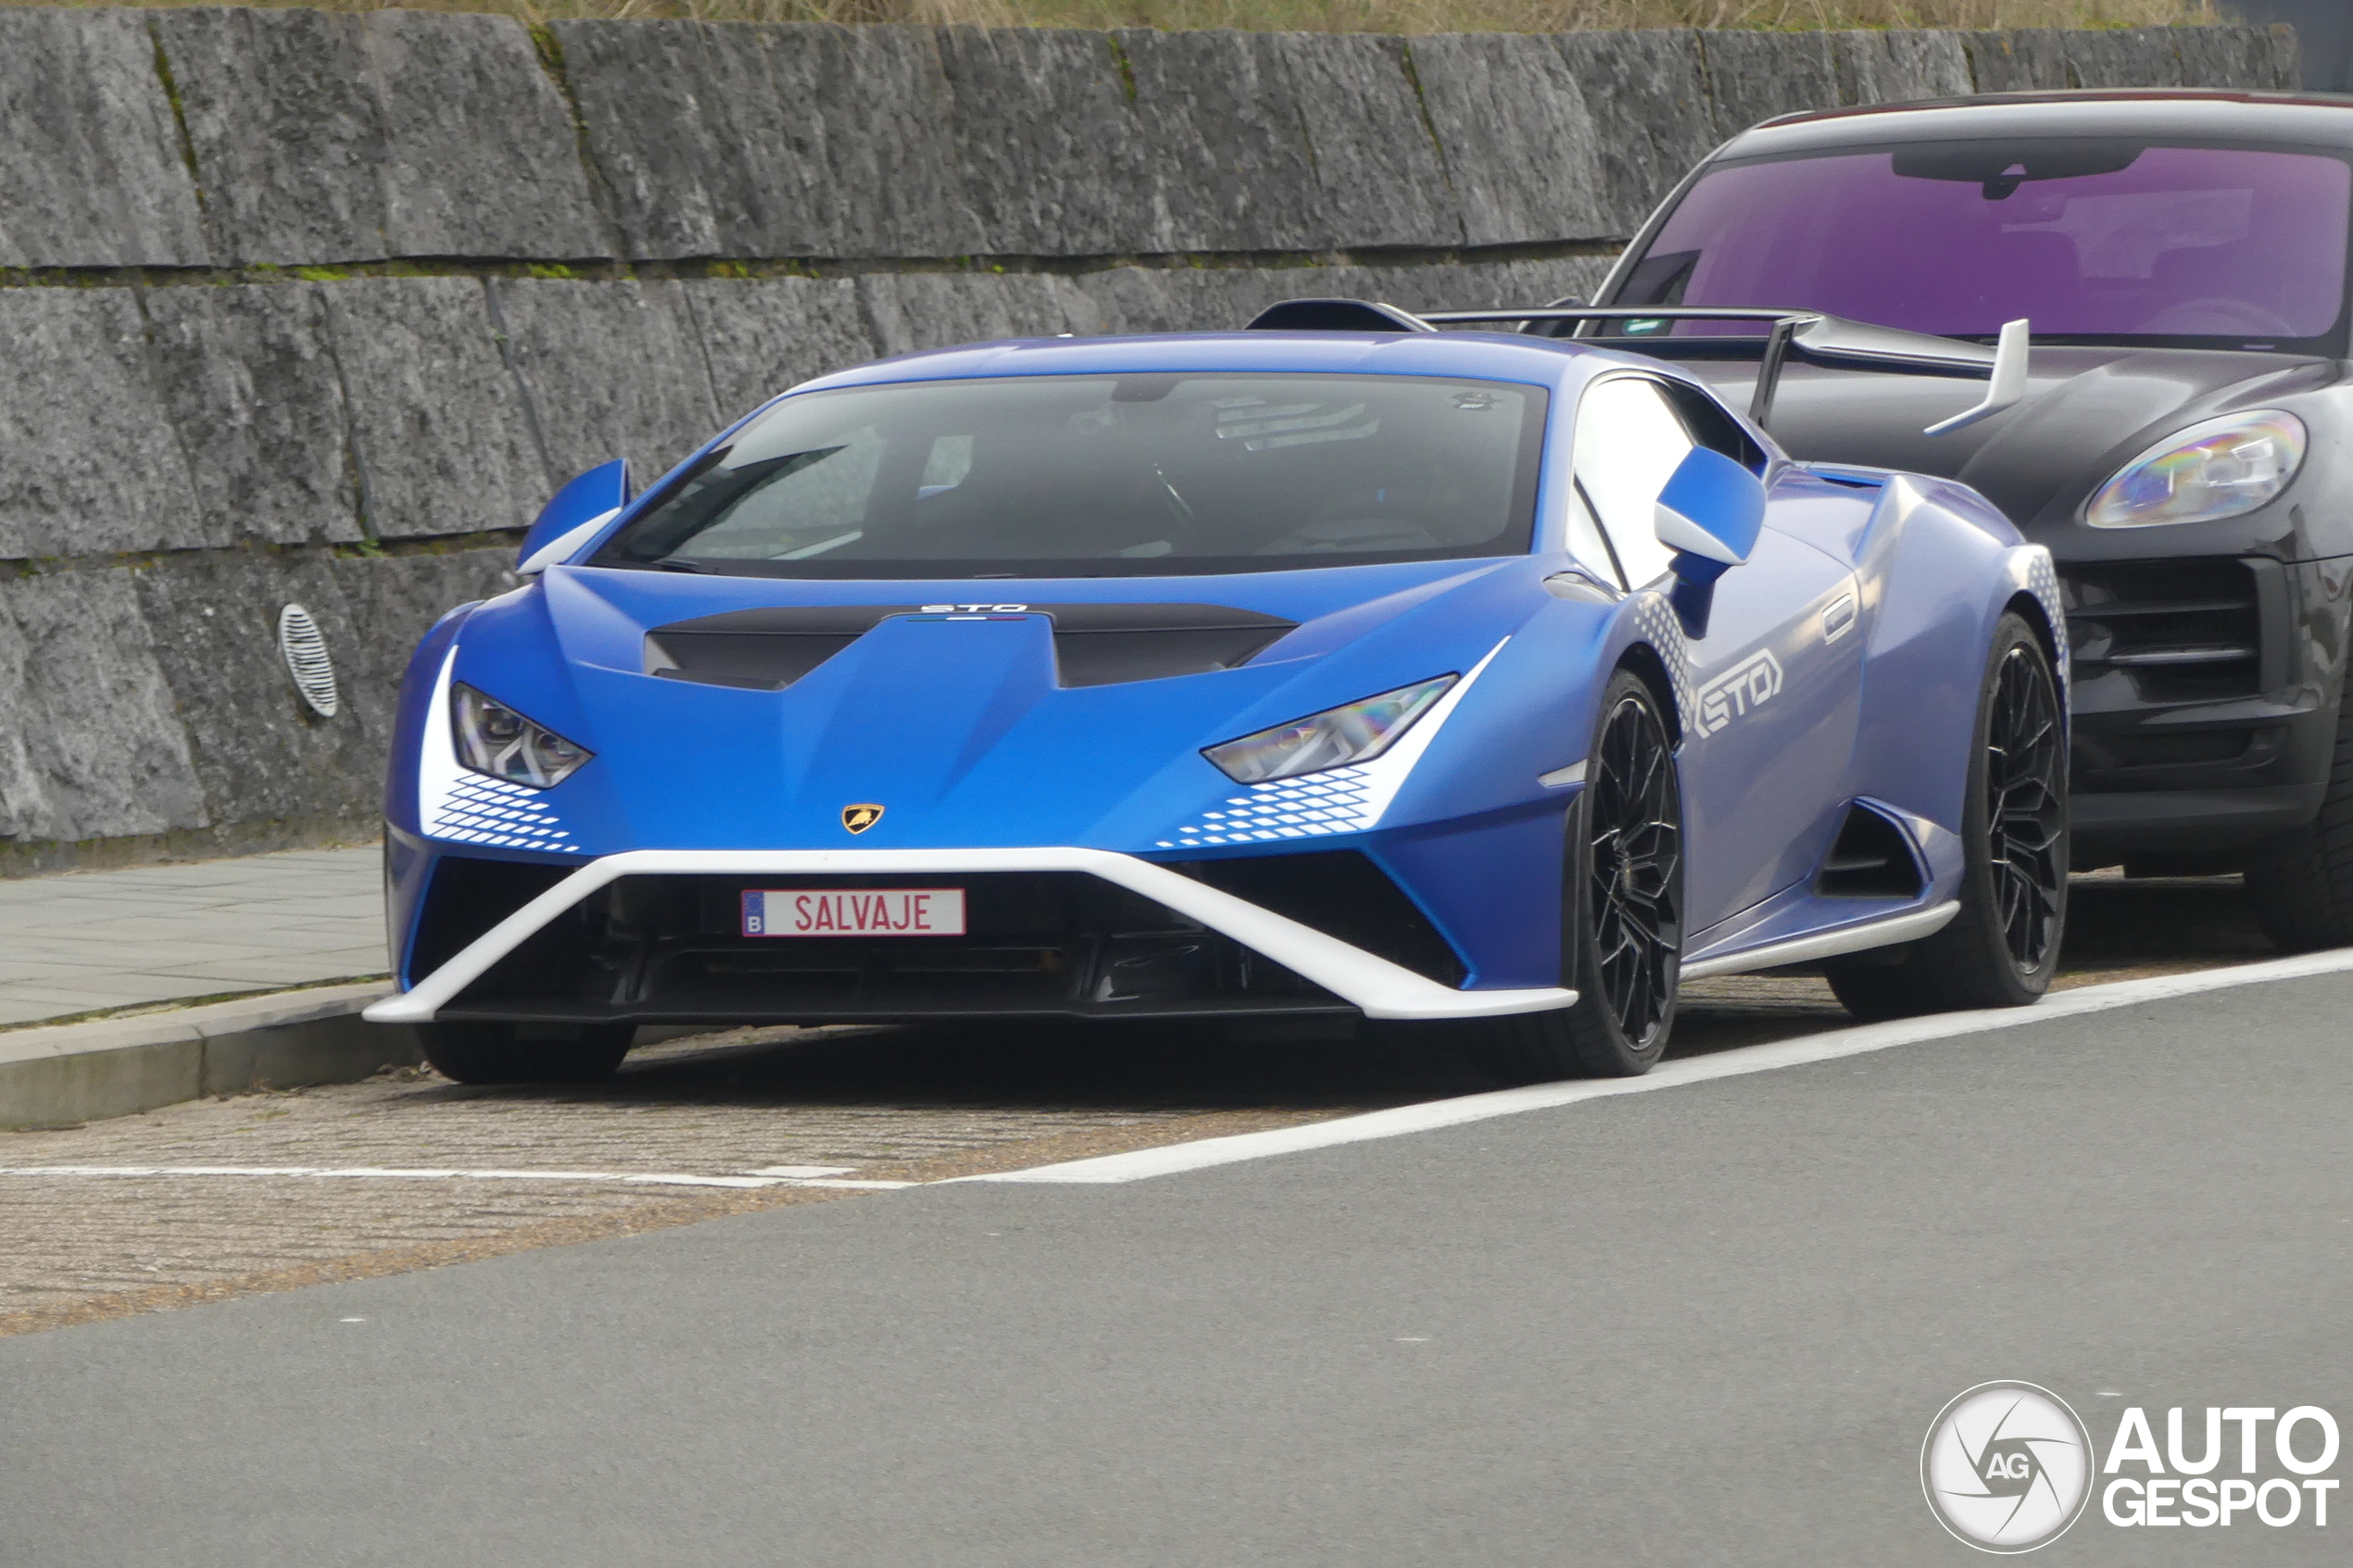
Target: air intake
305, 652
1873, 859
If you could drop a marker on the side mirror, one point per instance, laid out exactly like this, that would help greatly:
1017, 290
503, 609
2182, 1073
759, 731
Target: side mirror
1709, 513
578, 510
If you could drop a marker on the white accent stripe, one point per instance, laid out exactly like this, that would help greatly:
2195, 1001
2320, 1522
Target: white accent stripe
1561, 778
1910, 926
1832, 1047
629, 1178
1381, 988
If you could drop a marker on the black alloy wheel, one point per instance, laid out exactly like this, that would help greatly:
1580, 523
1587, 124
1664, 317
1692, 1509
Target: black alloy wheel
2002, 946
1622, 909
2026, 807
1633, 871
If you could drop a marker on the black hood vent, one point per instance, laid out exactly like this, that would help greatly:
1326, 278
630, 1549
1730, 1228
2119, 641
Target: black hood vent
768, 650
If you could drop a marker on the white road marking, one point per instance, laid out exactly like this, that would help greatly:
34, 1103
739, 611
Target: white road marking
1429, 1115
629, 1178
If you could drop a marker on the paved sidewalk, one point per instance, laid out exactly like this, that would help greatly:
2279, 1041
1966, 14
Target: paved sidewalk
97, 941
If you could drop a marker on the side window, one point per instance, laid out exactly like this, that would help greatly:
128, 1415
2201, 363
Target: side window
1629, 441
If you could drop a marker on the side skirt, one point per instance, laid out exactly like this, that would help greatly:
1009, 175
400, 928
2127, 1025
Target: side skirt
1910, 926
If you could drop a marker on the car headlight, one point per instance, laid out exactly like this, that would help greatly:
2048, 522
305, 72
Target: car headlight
1358, 732
494, 739
2215, 470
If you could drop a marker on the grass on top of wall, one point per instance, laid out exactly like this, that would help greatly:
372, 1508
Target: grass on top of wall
1343, 16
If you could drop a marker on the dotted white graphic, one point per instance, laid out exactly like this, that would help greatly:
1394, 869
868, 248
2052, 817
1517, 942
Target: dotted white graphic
1655, 619
1334, 800
479, 809
2041, 581
468, 807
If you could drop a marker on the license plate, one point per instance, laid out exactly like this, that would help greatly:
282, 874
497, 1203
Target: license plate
854, 912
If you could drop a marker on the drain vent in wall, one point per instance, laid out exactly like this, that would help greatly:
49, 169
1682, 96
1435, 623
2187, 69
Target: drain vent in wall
306, 660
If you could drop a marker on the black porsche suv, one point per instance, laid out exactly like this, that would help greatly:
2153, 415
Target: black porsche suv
2184, 443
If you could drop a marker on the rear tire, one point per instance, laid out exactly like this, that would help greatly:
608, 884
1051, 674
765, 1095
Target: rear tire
2003, 947
510, 1053
1622, 909
2302, 887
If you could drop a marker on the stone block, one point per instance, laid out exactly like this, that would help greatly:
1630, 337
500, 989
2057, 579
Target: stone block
260, 753
251, 386
1896, 65
482, 157
89, 462
613, 370
2253, 57
1231, 166
2022, 59
1052, 152
762, 336
1754, 76
323, 137
918, 310
768, 142
1378, 176
1646, 93
93, 175
443, 437
91, 746
1521, 149
2136, 56
1115, 301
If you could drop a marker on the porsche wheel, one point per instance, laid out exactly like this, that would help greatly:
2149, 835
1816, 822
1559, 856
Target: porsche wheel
1622, 909
511, 1053
2002, 948
2302, 887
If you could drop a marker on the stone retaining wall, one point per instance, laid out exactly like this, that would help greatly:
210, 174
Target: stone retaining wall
302, 307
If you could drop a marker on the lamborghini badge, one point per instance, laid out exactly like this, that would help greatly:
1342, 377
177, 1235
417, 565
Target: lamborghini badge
858, 818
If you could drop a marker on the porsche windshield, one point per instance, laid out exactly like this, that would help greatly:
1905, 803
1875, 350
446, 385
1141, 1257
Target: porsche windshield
2100, 240
1101, 475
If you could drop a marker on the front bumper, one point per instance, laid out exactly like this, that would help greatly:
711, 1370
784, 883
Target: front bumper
1333, 975
2204, 702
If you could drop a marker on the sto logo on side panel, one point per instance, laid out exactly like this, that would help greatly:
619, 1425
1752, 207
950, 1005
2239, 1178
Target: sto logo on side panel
1747, 686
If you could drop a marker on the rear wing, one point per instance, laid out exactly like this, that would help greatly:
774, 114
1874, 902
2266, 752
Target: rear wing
1812, 335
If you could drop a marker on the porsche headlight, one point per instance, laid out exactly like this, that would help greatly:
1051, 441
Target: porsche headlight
2215, 470
494, 739
1358, 732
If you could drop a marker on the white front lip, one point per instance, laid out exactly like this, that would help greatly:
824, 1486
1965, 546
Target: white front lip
1380, 988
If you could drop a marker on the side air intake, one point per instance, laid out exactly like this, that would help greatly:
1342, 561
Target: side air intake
1873, 859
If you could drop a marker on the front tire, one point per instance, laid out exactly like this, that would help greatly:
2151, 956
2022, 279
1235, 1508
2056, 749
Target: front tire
2302, 887
2003, 947
1622, 909
511, 1053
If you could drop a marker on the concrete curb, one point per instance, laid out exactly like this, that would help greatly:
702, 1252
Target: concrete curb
78, 1072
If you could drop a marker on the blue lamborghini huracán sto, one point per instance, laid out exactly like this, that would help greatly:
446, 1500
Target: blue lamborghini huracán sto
1334, 669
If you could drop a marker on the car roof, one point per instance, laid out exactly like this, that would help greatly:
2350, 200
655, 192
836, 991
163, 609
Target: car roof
2318, 120
1542, 361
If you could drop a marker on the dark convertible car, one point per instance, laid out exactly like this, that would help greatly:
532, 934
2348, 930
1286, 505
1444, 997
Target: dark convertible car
2181, 438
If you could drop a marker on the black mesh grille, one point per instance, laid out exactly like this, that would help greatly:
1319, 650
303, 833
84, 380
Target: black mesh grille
2181, 630
467, 896
652, 948
1871, 860
1342, 894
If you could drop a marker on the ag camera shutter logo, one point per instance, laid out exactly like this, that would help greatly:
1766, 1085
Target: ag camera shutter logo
2006, 1467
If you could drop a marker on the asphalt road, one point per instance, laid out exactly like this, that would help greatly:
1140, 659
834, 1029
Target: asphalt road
1707, 1324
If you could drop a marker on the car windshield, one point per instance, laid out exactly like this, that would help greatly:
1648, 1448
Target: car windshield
1063, 476
2097, 241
